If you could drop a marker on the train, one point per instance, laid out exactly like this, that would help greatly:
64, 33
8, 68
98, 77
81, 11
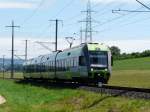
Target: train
88, 63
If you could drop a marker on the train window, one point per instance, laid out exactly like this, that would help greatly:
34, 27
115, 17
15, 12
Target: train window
82, 61
65, 64
69, 54
62, 65
112, 61
44, 67
69, 62
53, 63
72, 62
50, 65
59, 65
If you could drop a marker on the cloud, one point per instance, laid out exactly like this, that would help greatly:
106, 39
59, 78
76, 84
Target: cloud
17, 5
36, 50
129, 46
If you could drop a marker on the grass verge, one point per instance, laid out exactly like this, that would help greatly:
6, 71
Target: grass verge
30, 98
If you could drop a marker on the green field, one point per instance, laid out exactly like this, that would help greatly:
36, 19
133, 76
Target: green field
7, 75
131, 72
29, 98
132, 64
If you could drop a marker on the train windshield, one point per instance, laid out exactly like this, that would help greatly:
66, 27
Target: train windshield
99, 59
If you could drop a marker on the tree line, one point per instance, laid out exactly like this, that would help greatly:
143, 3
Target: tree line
117, 55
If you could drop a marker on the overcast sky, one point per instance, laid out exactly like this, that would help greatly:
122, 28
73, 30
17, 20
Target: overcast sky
129, 31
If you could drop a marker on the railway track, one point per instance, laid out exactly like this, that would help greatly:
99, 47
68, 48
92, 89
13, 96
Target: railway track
135, 93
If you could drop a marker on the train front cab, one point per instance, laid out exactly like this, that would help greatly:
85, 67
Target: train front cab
99, 64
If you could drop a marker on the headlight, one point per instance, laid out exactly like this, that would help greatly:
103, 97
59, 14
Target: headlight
92, 69
106, 70
99, 74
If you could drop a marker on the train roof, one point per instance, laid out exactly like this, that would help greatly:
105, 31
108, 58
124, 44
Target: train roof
91, 47
73, 52
97, 47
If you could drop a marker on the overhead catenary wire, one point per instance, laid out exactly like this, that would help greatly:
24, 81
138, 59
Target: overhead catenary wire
70, 19
104, 12
143, 4
117, 18
59, 12
129, 13
137, 21
100, 11
33, 13
141, 20
114, 19
65, 6
124, 25
137, 11
108, 21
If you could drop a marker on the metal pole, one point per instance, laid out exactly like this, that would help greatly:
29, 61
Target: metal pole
56, 35
3, 66
81, 35
26, 50
70, 45
12, 59
70, 41
12, 53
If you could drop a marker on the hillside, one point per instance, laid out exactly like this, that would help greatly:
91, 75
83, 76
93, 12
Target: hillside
17, 64
132, 64
8, 61
131, 72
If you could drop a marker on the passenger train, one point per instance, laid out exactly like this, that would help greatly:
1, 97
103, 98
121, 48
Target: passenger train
89, 63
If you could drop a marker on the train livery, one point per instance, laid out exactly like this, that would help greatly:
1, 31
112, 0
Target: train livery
89, 62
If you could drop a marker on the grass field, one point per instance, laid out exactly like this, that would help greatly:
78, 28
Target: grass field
132, 64
131, 72
7, 75
30, 98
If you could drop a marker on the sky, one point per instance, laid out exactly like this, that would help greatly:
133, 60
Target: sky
129, 31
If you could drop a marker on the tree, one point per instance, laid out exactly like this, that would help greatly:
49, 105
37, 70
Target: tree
115, 51
145, 53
